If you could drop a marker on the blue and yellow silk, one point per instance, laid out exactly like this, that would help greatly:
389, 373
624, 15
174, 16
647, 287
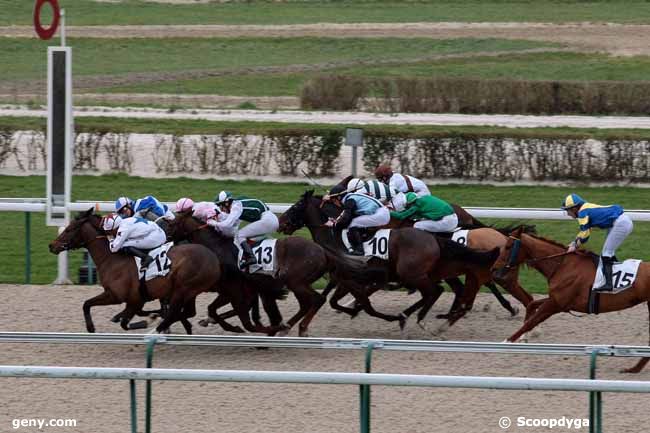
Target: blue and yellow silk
593, 215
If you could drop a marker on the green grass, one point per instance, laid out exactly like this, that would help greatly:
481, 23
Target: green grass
89, 12
542, 66
108, 187
119, 56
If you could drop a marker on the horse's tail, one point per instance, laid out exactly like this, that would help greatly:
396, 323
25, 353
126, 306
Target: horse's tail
352, 268
451, 250
529, 229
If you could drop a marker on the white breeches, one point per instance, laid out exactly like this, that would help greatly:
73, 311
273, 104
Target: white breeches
153, 240
443, 225
616, 235
268, 223
380, 218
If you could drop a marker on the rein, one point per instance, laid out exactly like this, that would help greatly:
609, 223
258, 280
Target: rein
539, 259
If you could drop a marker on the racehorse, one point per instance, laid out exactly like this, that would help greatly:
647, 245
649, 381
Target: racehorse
300, 263
414, 257
484, 239
570, 277
194, 270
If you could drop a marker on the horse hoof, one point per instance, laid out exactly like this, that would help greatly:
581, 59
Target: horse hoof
116, 318
204, 322
442, 316
303, 334
138, 325
630, 370
283, 332
514, 312
91, 329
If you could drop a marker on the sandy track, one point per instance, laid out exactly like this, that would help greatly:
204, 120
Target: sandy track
195, 407
618, 39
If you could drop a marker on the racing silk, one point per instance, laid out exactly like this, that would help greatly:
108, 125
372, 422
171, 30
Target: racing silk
252, 208
399, 183
379, 190
427, 207
361, 204
135, 228
150, 208
592, 215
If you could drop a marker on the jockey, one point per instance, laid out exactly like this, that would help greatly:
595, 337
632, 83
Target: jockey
147, 207
261, 221
401, 182
387, 195
433, 214
590, 215
359, 211
184, 204
134, 236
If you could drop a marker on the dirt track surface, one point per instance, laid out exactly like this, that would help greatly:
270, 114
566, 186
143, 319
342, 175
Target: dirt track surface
618, 39
102, 406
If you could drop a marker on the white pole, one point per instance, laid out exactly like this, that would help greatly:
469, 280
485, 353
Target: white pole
62, 15
62, 268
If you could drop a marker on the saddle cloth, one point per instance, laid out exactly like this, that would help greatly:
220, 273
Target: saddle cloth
265, 255
376, 246
161, 264
623, 275
460, 236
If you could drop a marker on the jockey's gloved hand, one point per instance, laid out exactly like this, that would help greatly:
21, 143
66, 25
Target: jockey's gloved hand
572, 247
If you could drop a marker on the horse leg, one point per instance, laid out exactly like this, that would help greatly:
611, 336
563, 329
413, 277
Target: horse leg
189, 310
128, 314
364, 302
511, 285
173, 315
105, 298
340, 292
426, 305
532, 307
545, 310
219, 319
502, 300
643, 361
270, 305
242, 308
458, 289
255, 310
317, 301
330, 286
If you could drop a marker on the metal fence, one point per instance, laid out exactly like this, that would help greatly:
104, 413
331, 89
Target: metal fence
364, 380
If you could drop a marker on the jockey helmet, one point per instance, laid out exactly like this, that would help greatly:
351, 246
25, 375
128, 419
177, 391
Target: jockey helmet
411, 197
355, 185
223, 197
383, 172
123, 202
572, 200
338, 190
111, 221
184, 204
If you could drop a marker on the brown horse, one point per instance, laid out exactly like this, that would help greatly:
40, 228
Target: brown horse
300, 263
414, 257
570, 277
484, 239
194, 270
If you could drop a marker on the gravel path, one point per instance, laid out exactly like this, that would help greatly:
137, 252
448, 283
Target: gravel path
102, 406
357, 118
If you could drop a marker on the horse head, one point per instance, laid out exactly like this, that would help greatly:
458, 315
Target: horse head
294, 218
512, 256
78, 233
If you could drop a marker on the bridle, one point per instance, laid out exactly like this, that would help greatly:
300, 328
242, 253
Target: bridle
83, 244
514, 252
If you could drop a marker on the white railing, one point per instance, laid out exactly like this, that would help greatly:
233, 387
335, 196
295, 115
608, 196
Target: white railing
19, 205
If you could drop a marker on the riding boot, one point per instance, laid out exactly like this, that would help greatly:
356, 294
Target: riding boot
248, 257
354, 235
607, 273
145, 258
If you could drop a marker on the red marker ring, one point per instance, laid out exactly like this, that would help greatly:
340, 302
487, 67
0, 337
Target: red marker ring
46, 33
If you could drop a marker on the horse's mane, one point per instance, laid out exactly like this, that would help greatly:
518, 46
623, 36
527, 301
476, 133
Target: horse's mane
586, 253
529, 229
